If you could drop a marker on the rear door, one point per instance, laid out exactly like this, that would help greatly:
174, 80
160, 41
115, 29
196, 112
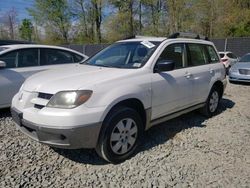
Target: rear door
200, 70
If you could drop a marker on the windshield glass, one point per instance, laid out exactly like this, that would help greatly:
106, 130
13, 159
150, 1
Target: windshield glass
245, 58
124, 55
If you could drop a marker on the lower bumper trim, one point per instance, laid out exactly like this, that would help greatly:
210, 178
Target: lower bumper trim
85, 136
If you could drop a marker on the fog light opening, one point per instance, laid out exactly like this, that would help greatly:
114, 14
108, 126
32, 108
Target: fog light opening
62, 137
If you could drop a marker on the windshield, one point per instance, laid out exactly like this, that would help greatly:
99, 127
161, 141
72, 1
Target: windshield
124, 55
245, 58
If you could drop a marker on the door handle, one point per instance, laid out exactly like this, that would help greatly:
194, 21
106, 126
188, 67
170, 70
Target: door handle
188, 75
211, 71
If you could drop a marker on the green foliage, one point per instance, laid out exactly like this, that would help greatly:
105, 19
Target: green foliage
26, 29
54, 15
91, 21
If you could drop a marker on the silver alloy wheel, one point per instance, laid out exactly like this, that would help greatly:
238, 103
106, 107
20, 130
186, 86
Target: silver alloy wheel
213, 102
123, 136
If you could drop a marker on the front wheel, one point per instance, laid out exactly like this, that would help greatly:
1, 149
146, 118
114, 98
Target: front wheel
120, 135
212, 103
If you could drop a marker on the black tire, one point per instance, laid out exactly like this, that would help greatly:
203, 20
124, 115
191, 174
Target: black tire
207, 110
110, 125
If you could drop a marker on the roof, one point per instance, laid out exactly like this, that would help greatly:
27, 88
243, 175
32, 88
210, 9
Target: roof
23, 46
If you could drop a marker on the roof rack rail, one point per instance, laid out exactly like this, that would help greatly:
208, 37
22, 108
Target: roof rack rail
187, 35
138, 37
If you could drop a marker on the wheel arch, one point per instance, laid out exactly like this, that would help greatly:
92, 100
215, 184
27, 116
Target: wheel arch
219, 85
133, 103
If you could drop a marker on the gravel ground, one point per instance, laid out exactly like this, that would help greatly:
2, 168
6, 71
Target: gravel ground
189, 151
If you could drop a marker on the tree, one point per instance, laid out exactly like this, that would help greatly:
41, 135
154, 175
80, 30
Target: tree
26, 29
123, 21
154, 9
9, 24
55, 16
97, 13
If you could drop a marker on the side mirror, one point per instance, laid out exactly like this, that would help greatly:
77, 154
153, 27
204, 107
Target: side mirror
2, 64
164, 65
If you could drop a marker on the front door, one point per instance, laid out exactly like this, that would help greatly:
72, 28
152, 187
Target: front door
171, 90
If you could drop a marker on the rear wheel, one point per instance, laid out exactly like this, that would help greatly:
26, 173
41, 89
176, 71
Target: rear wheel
212, 103
120, 135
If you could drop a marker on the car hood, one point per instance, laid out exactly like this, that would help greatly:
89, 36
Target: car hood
77, 77
243, 65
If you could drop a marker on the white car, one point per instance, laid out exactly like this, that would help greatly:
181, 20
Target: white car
17, 62
110, 100
228, 59
240, 72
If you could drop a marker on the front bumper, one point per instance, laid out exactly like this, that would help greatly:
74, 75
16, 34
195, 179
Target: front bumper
75, 137
236, 77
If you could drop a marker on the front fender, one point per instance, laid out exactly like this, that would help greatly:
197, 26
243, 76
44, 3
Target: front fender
115, 95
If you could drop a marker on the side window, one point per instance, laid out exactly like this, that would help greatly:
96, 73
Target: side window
54, 56
77, 58
10, 59
175, 53
213, 57
197, 55
27, 57
231, 55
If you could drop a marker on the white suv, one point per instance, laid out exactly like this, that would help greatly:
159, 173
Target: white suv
108, 102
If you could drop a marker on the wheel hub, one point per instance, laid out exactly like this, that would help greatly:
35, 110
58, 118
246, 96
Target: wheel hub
123, 136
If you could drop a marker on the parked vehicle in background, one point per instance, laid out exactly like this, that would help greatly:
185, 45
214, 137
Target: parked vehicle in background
240, 72
110, 100
17, 62
228, 59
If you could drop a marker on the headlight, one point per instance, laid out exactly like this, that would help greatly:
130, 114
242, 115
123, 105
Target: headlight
233, 69
69, 99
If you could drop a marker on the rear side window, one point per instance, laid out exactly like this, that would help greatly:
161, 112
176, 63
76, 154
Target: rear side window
213, 57
175, 53
27, 57
54, 56
231, 55
197, 55
77, 58
10, 59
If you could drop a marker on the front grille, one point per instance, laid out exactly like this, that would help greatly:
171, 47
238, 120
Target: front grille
244, 71
38, 106
45, 96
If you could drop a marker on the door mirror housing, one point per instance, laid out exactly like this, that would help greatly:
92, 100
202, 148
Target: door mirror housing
2, 64
164, 65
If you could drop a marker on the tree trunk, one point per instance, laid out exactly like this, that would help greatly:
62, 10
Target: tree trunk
98, 19
131, 21
11, 27
140, 17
